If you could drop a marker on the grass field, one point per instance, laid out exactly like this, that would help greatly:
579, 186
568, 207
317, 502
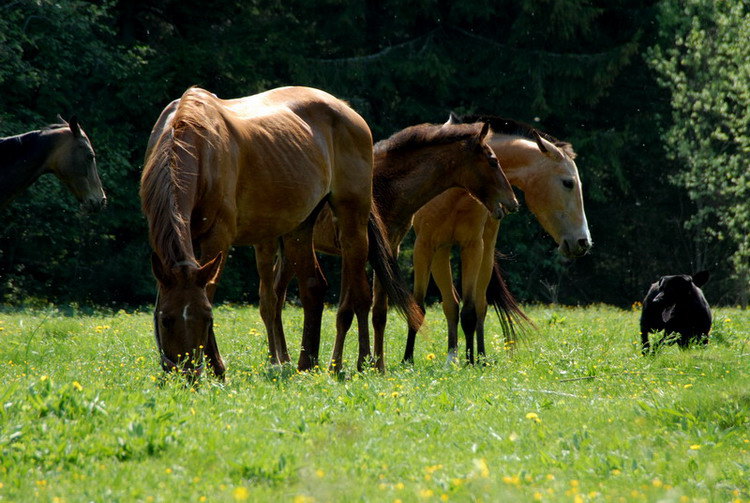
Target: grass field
573, 414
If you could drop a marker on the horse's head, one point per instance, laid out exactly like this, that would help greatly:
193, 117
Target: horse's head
74, 163
557, 200
183, 316
485, 179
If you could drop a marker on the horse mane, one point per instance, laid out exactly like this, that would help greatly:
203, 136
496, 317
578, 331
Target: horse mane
426, 135
163, 175
502, 125
53, 127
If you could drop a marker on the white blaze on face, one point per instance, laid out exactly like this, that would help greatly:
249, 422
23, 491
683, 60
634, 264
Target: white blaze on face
185, 312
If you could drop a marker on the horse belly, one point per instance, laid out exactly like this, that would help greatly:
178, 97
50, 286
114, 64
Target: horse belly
263, 215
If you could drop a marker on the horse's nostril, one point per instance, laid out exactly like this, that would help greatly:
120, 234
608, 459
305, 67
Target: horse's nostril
584, 243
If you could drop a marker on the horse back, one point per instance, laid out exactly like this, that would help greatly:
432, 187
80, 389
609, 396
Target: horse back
297, 145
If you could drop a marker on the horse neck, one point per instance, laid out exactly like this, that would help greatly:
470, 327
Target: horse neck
520, 159
23, 160
404, 183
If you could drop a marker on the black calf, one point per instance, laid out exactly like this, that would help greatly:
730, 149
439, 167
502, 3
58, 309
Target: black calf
676, 304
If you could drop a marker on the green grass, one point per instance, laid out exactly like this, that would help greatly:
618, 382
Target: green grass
573, 414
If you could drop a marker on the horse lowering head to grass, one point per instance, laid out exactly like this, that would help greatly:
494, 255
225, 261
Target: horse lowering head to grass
247, 171
61, 149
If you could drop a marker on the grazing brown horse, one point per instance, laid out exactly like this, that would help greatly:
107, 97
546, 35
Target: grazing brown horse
545, 170
61, 149
247, 171
411, 167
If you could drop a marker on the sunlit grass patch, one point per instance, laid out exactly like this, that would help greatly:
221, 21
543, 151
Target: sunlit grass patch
573, 413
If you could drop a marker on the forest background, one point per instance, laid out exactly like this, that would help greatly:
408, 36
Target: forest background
654, 96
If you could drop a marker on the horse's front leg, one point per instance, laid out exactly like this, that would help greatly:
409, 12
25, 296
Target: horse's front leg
379, 319
300, 257
211, 351
264, 257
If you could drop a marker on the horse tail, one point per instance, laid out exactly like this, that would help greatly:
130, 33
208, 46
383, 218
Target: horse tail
508, 311
386, 268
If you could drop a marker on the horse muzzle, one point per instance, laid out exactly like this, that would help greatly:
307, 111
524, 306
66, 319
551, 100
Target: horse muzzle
575, 248
190, 372
93, 204
502, 210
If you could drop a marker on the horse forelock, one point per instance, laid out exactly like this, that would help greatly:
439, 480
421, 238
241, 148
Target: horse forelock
426, 135
502, 125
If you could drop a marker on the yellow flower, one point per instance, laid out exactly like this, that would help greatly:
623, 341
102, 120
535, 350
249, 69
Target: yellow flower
426, 493
484, 470
77, 385
431, 356
395, 394
695, 447
688, 386
320, 473
241, 494
657, 483
534, 417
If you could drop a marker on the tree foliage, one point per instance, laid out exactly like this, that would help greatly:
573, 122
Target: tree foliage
707, 70
573, 68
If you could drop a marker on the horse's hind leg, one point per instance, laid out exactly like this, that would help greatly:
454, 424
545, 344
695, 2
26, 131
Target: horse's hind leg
486, 269
441, 273
422, 259
471, 260
352, 216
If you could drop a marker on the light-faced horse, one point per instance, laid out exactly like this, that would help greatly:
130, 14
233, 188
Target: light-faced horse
411, 167
61, 149
247, 171
544, 169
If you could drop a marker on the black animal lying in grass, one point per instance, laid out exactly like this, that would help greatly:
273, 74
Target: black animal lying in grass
675, 304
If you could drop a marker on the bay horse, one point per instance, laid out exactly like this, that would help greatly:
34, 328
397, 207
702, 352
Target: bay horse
411, 167
61, 149
544, 169
247, 171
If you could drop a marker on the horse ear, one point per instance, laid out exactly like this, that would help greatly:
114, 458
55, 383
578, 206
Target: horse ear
452, 119
75, 127
161, 274
547, 147
209, 271
701, 278
484, 132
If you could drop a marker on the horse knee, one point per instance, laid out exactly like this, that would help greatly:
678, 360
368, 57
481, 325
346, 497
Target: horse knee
468, 317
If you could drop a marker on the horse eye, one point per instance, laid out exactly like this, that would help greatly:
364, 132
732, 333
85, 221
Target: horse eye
568, 184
